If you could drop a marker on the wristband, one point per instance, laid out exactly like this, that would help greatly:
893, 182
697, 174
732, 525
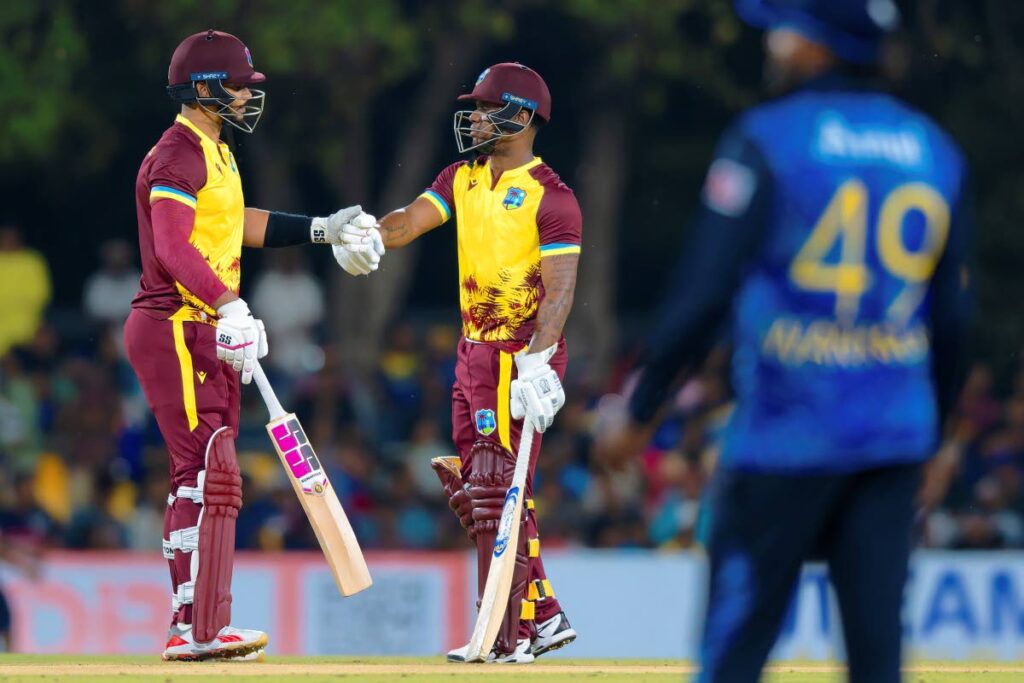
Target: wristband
287, 229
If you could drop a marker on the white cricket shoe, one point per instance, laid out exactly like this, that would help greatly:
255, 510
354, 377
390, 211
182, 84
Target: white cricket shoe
237, 644
458, 655
552, 634
520, 656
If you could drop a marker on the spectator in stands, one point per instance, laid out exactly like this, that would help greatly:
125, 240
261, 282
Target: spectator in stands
20, 436
291, 302
108, 293
24, 289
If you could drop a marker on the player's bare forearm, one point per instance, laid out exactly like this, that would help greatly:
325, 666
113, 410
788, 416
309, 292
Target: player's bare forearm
395, 230
402, 226
254, 231
558, 273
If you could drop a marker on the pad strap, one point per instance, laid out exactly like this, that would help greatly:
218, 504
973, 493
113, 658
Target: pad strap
193, 493
184, 595
185, 540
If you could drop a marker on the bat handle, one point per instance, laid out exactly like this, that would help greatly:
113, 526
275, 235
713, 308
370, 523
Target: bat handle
274, 406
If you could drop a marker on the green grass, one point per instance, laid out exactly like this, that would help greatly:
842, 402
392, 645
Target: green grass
17, 668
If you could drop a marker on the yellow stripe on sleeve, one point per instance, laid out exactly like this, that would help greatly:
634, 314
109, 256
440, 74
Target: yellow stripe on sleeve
559, 249
162, 192
504, 395
439, 204
188, 387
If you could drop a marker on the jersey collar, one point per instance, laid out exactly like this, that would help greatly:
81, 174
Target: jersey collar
195, 129
514, 173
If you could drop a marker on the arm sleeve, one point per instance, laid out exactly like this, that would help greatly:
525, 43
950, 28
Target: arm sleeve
559, 222
172, 225
735, 205
441, 192
176, 178
952, 307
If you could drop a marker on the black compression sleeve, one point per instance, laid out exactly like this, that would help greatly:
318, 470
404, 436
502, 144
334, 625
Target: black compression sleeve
287, 229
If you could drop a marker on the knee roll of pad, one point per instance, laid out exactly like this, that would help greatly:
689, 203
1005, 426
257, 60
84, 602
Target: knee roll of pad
488, 481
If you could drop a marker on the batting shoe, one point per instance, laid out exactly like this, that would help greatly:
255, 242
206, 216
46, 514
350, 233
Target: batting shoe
552, 634
521, 655
235, 644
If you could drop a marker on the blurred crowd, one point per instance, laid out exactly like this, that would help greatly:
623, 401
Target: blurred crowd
82, 464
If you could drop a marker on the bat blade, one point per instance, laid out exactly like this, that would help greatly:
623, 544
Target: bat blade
321, 505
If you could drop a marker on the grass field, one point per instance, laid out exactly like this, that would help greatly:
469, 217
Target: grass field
79, 669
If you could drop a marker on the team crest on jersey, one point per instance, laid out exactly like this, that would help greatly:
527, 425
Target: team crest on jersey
514, 199
485, 422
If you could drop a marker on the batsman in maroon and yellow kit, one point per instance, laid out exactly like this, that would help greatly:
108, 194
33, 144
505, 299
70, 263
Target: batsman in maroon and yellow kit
519, 230
192, 341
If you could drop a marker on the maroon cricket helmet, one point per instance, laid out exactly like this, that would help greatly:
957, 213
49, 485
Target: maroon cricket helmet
212, 55
516, 83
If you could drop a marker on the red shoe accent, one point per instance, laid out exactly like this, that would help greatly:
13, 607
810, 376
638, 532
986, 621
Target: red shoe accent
229, 639
175, 641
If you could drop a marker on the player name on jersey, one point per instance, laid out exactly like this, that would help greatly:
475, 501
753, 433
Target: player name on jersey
826, 343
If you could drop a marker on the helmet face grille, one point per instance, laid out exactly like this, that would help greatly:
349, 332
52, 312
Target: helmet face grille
244, 119
502, 123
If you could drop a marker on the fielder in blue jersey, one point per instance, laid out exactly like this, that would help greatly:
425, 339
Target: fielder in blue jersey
833, 237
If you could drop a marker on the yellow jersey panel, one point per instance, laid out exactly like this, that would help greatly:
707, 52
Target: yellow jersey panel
505, 227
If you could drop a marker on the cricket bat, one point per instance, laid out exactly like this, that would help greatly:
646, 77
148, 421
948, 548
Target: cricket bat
319, 501
503, 559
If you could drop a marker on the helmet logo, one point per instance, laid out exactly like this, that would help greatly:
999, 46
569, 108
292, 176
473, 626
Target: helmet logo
483, 75
521, 101
248, 57
208, 75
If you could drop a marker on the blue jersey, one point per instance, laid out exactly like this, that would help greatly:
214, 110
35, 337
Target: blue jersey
844, 208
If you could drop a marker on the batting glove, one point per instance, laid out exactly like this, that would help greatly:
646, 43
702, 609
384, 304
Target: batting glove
241, 339
361, 246
328, 230
537, 393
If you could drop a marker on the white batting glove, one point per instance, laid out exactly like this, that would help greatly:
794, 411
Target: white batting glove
328, 230
241, 339
361, 246
537, 393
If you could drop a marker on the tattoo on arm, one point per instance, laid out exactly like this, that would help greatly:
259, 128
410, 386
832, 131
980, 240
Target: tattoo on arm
394, 232
558, 274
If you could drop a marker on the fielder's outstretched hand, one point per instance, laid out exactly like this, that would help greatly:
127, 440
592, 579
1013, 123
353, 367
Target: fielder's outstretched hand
537, 393
241, 339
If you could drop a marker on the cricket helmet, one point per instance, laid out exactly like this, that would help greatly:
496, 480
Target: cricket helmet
512, 86
216, 58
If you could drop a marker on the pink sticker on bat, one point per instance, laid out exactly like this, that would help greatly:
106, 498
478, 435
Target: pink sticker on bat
300, 469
